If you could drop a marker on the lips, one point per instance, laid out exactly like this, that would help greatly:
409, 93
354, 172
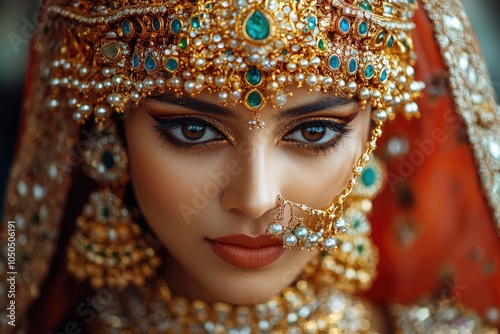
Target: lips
244, 251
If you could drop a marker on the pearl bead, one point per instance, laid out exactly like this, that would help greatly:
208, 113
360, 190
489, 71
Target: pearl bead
274, 228
291, 67
102, 112
223, 97
72, 102
316, 61
376, 94
312, 80
117, 80
85, 109
299, 77
148, 82
160, 82
329, 243
176, 82
189, 86
235, 95
200, 78
379, 115
352, 86
387, 98
280, 99
135, 96
77, 116
303, 63
289, 240
364, 94
300, 232
341, 225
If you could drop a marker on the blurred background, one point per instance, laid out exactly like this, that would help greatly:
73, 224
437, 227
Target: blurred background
17, 20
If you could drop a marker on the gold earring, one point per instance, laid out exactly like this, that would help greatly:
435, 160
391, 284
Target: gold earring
108, 247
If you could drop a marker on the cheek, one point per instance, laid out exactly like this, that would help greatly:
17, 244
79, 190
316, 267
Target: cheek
162, 184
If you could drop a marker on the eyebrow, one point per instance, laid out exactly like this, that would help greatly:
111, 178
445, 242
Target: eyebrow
215, 109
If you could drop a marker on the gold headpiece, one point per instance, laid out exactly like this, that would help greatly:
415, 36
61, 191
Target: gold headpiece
245, 51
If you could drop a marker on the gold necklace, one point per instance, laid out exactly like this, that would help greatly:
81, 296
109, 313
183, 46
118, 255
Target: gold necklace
309, 306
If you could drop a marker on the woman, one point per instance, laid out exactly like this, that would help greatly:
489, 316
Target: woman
137, 171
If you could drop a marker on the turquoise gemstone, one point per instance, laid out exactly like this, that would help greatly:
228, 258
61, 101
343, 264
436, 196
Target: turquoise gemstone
257, 27
171, 64
254, 99
195, 23
253, 76
353, 66
369, 71
126, 28
176, 26
390, 42
311, 23
363, 28
411, 1
344, 25
108, 160
383, 76
156, 24
369, 177
105, 212
135, 60
149, 63
334, 62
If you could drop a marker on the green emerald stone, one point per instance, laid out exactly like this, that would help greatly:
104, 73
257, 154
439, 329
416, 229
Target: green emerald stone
253, 76
254, 99
257, 27
108, 160
183, 43
171, 64
105, 212
321, 45
369, 177
176, 26
89, 246
365, 6
357, 224
360, 248
111, 51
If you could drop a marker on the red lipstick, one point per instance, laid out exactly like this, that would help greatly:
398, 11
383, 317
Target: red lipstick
244, 251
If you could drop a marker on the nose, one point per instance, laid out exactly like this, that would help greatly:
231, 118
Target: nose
253, 191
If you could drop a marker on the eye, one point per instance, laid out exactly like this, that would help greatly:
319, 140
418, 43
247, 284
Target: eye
315, 132
194, 132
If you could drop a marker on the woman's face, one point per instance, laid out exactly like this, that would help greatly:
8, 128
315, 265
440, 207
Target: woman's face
207, 185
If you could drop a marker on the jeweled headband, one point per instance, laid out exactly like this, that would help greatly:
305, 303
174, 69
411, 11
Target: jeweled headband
245, 51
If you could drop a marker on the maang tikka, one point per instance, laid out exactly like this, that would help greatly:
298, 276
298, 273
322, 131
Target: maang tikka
348, 253
108, 246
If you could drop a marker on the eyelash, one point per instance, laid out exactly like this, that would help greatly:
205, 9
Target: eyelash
163, 126
341, 129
